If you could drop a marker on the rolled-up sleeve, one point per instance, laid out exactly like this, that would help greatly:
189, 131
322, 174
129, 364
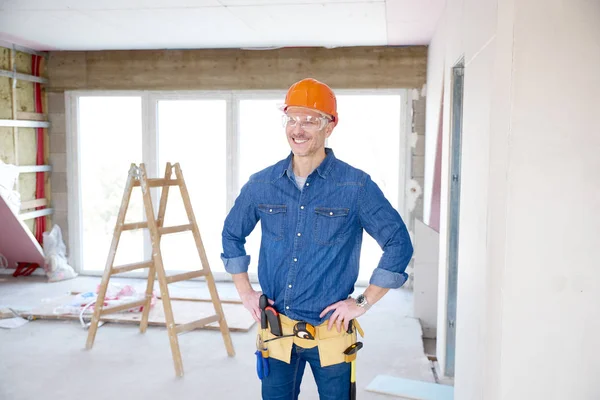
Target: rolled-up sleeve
385, 225
239, 223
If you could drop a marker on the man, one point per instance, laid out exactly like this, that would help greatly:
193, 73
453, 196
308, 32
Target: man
313, 209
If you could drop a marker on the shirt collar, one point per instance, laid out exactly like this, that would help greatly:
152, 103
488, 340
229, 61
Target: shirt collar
323, 169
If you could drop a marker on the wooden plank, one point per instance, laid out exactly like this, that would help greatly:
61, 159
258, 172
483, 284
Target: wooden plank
205, 300
235, 69
32, 116
238, 317
122, 307
159, 182
175, 229
185, 276
130, 267
190, 326
410, 389
26, 205
134, 225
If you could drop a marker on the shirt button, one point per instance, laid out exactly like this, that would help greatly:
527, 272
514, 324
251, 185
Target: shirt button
287, 307
290, 286
299, 234
307, 184
330, 213
270, 210
302, 207
295, 260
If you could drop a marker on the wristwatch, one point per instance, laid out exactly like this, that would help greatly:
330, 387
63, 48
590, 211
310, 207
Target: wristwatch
361, 301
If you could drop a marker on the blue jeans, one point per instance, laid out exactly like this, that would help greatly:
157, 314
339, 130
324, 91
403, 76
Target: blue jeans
283, 382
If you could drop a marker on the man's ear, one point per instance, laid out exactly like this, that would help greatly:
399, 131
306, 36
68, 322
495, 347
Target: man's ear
328, 130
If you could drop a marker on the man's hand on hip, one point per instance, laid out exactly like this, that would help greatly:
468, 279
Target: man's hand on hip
343, 312
248, 295
250, 301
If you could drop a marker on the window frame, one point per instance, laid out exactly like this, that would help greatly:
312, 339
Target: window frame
150, 148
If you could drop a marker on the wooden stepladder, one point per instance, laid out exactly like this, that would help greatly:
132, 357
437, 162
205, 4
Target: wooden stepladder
138, 177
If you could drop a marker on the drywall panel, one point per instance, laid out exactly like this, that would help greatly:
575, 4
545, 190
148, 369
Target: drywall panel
482, 16
425, 289
551, 281
435, 78
500, 110
472, 251
538, 286
352, 67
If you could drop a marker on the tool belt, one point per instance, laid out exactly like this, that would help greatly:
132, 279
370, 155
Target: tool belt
331, 343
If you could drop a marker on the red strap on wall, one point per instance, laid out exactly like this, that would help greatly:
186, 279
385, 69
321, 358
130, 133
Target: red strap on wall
40, 190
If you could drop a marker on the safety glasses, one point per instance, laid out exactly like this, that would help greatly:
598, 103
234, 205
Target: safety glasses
307, 123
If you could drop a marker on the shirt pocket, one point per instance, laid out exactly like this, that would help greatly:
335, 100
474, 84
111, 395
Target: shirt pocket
330, 225
272, 219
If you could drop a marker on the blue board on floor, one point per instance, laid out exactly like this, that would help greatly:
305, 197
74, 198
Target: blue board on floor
410, 389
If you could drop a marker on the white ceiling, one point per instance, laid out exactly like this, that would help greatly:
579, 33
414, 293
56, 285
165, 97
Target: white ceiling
180, 24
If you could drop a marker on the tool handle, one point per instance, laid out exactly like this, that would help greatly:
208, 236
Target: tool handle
259, 365
274, 321
262, 303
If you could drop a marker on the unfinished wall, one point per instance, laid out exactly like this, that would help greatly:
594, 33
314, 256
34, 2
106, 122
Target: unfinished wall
58, 160
418, 151
23, 151
227, 69
528, 309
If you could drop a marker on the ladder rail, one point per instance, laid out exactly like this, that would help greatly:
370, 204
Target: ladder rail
160, 272
137, 177
160, 218
212, 287
133, 170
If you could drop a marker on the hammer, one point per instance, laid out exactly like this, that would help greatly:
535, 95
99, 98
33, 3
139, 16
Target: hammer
350, 353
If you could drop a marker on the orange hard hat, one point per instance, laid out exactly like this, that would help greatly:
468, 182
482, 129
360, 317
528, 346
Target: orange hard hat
311, 93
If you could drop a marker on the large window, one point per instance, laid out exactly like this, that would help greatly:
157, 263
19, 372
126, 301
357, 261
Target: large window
368, 137
192, 133
219, 139
107, 147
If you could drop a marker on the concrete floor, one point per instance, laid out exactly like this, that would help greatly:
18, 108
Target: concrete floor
47, 360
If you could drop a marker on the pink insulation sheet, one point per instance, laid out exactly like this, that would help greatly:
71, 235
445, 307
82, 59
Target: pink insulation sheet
17, 243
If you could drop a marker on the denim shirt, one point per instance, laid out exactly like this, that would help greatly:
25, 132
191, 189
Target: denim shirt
311, 238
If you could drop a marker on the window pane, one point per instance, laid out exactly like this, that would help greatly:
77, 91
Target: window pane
262, 137
368, 137
193, 134
110, 139
262, 143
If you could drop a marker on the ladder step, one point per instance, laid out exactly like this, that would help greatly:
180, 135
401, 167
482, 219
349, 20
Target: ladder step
111, 310
190, 326
185, 276
130, 267
160, 182
175, 229
134, 225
